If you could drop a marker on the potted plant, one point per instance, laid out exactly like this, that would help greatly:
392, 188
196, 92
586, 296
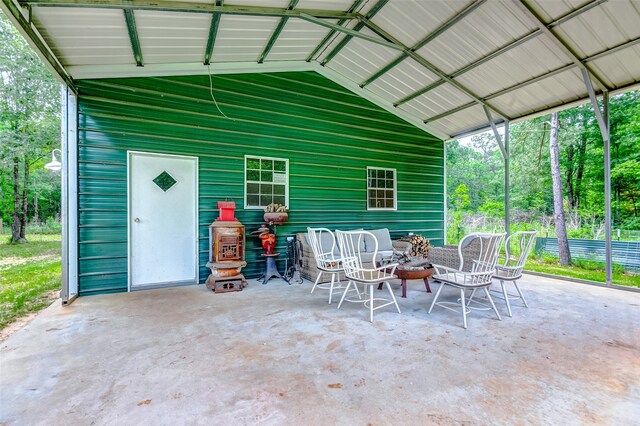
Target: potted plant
275, 214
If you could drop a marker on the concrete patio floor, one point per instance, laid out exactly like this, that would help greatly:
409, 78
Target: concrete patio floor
276, 354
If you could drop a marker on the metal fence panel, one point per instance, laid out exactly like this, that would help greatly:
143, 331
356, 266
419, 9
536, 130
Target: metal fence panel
625, 253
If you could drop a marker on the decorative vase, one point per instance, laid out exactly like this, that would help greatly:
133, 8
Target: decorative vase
276, 218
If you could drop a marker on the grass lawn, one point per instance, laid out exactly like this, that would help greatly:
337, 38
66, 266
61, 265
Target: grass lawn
29, 275
595, 274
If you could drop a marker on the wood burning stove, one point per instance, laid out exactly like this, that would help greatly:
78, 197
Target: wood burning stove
226, 251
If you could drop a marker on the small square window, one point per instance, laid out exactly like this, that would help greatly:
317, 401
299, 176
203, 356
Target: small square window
266, 181
381, 189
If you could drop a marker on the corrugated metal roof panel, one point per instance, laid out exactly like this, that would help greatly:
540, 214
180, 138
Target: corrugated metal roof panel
436, 101
83, 37
297, 40
359, 57
492, 25
412, 21
95, 37
527, 61
402, 80
172, 37
343, 5
469, 118
620, 68
602, 27
561, 88
242, 38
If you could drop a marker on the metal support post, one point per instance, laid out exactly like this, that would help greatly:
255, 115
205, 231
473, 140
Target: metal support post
507, 188
504, 148
607, 192
603, 123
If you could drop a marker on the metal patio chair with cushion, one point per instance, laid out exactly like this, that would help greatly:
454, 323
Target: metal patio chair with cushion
516, 250
474, 272
325, 251
358, 269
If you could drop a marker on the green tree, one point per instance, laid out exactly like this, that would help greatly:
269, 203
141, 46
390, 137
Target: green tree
29, 123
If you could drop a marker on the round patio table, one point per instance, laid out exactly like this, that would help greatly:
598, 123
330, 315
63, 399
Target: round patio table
415, 269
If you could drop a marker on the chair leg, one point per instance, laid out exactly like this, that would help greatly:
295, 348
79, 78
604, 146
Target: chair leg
333, 279
493, 305
317, 280
506, 298
473, 293
346, 290
435, 298
464, 308
393, 297
520, 293
370, 305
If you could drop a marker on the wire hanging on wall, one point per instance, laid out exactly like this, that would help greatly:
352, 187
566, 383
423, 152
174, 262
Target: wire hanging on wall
212, 97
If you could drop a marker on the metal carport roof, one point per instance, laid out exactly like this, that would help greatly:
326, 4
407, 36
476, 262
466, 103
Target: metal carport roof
437, 64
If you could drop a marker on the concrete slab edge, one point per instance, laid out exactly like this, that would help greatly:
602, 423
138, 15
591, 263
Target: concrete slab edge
581, 281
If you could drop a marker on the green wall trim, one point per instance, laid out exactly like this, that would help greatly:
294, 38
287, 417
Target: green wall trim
328, 134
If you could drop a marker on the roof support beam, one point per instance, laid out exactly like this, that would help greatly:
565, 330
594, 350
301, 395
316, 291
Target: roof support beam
422, 61
352, 33
193, 7
213, 32
133, 36
276, 33
564, 47
472, 65
432, 36
504, 148
36, 41
603, 123
375, 9
356, 4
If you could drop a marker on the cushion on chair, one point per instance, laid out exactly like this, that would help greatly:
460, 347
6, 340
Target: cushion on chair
383, 237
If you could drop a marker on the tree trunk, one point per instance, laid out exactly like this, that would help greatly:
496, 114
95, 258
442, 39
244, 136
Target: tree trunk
36, 219
558, 207
15, 226
25, 189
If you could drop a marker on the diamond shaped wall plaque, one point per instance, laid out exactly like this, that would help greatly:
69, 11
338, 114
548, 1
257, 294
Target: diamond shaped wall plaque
165, 181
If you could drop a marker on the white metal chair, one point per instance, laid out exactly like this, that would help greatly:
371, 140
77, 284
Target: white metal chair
367, 274
476, 274
516, 250
323, 244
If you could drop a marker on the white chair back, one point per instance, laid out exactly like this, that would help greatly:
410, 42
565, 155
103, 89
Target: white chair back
483, 260
323, 245
350, 243
516, 250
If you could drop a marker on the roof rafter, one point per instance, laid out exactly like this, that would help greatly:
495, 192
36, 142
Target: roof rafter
432, 36
133, 36
352, 32
213, 32
356, 4
535, 17
192, 7
428, 65
375, 9
564, 18
276, 32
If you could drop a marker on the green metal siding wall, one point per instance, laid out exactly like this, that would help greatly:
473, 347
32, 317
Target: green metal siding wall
328, 134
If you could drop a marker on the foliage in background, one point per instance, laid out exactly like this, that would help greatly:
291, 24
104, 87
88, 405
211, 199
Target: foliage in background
478, 166
29, 130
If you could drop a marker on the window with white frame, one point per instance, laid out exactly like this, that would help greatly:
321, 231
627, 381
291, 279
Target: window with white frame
381, 188
266, 181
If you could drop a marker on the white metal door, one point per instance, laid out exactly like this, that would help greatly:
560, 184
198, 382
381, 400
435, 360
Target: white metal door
163, 192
